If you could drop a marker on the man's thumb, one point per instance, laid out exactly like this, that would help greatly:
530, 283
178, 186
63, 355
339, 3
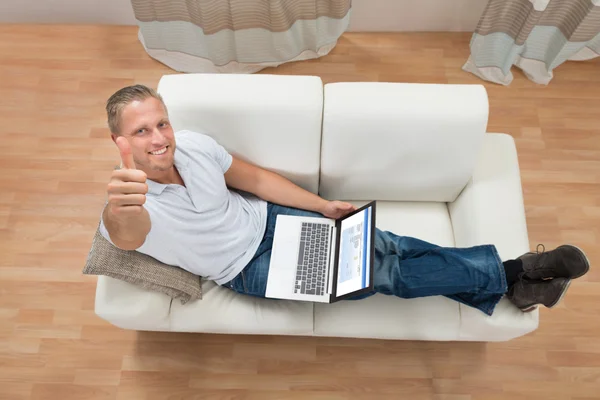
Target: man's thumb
125, 150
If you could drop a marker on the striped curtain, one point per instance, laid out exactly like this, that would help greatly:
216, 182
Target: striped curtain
535, 35
238, 36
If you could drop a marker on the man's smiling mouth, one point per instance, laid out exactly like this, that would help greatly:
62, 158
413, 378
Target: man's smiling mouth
159, 151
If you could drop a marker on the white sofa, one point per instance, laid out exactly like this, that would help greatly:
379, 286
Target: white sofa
421, 150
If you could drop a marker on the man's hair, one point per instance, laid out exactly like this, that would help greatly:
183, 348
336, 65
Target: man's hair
120, 99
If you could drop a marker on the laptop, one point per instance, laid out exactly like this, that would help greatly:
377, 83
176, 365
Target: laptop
321, 259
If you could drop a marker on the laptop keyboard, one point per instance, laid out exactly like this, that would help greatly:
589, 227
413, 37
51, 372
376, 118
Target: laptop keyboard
312, 259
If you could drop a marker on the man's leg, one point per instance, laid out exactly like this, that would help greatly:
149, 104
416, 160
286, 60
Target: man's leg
253, 279
407, 267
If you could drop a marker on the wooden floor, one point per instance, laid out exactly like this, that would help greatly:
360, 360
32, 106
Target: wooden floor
53, 84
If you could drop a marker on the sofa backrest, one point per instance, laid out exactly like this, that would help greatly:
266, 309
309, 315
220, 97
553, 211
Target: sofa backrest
400, 142
269, 120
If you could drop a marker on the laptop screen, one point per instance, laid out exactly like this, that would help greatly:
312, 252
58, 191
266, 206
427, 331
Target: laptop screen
355, 253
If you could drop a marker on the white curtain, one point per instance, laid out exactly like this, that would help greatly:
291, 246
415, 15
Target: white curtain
535, 35
238, 36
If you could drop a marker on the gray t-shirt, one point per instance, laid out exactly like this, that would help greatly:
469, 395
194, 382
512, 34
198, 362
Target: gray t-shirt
204, 227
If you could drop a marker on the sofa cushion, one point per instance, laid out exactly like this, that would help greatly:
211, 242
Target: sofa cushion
272, 121
223, 311
400, 141
389, 317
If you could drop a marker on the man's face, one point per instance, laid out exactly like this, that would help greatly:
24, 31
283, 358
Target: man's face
146, 126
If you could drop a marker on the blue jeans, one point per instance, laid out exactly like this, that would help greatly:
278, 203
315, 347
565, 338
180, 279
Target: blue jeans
405, 267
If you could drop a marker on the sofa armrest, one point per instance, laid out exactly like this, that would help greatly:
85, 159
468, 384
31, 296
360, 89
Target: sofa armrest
130, 307
490, 208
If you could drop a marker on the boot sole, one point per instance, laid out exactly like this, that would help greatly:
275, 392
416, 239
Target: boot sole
533, 307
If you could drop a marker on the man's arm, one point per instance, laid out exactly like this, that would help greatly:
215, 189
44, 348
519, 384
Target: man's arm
127, 232
274, 188
125, 217
271, 187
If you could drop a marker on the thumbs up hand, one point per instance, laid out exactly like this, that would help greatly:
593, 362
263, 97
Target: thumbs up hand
127, 187
125, 151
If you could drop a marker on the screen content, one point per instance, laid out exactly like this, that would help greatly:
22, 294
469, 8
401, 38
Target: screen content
355, 253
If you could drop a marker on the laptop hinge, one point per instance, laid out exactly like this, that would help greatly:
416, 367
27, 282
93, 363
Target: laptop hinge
331, 267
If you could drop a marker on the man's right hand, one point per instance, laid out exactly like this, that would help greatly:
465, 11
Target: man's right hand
127, 187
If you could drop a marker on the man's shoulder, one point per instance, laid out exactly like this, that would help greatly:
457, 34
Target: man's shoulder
193, 136
195, 141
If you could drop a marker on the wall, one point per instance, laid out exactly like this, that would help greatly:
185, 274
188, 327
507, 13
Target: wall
415, 15
367, 15
118, 12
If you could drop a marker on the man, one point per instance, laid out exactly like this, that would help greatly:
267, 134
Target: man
184, 200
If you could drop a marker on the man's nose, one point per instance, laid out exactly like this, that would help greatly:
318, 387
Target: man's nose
157, 136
